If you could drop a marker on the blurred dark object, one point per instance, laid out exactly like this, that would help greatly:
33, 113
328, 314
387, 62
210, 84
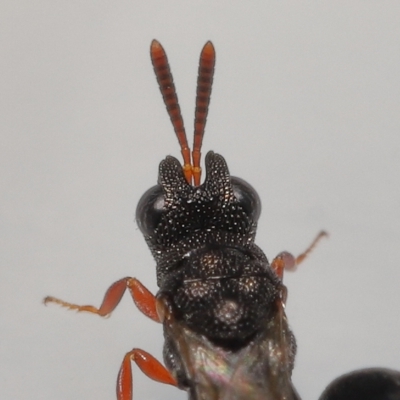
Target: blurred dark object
365, 384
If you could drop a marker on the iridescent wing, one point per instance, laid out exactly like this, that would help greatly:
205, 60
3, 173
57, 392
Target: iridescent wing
259, 371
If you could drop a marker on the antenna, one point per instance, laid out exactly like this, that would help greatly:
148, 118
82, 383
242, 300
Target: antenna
167, 88
204, 85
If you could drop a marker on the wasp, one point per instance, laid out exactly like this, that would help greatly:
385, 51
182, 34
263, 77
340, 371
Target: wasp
220, 301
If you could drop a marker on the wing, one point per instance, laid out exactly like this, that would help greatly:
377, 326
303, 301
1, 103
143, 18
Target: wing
261, 370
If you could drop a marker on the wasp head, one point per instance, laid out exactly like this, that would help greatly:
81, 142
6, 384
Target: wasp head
175, 216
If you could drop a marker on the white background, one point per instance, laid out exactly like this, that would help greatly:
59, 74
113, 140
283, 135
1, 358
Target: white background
305, 106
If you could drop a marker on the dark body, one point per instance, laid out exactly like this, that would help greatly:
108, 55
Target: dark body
223, 296
226, 333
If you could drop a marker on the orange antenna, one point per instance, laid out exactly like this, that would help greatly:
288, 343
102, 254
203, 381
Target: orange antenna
167, 88
204, 85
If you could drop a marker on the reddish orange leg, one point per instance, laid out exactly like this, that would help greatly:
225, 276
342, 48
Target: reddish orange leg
143, 298
286, 261
149, 366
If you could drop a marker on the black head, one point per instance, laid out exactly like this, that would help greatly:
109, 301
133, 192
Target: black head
175, 212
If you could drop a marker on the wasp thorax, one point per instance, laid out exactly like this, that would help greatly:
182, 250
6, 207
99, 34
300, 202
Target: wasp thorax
229, 312
222, 292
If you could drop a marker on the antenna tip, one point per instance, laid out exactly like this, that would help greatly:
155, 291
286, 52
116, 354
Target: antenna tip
155, 47
209, 49
155, 43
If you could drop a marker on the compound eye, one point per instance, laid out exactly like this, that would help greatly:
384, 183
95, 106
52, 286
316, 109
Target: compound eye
247, 197
150, 210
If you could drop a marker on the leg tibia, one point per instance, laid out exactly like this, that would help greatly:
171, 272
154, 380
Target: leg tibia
149, 366
143, 298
